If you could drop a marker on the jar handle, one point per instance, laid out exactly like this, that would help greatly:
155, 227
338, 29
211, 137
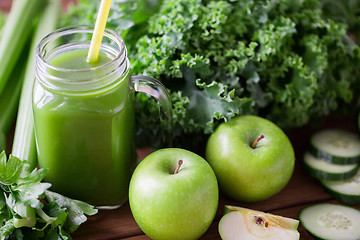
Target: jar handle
157, 90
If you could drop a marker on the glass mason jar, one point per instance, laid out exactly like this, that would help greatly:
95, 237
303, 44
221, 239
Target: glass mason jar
84, 115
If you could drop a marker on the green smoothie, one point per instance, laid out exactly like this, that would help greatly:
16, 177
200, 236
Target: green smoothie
86, 140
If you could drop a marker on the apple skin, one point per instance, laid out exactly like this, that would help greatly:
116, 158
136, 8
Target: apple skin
173, 206
247, 174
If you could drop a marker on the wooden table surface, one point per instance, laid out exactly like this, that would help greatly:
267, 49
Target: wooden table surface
301, 191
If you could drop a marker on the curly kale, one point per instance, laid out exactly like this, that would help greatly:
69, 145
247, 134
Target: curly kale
278, 59
347, 12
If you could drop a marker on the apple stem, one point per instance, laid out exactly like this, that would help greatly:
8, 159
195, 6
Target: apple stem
257, 140
177, 169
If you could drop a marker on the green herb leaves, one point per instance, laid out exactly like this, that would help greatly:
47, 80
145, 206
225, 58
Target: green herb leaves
29, 210
279, 59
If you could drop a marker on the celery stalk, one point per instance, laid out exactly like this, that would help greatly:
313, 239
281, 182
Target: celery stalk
2, 131
9, 99
18, 28
27, 214
9, 102
2, 18
2, 21
24, 146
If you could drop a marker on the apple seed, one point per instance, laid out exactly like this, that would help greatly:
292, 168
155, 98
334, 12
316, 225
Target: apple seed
177, 169
259, 220
257, 140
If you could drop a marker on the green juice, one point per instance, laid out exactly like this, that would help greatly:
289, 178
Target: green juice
86, 140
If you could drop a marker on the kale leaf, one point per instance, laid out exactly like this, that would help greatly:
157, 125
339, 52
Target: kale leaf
278, 59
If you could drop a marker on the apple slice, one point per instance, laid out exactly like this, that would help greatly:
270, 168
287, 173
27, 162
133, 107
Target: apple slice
246, 224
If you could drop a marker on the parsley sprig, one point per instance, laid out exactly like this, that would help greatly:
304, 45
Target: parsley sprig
28, 210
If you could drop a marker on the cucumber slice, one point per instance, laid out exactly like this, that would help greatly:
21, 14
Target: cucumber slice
331, 221
242, 223
328, 171
336, 146
347, 191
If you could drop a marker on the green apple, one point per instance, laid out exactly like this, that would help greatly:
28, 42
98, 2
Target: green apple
173, 194
243, 223
252, 158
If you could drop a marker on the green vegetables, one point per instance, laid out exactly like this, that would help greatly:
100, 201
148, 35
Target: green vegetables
9, 101
28, 210
347, 12
17, 27
278, 59
24, 137
2, 21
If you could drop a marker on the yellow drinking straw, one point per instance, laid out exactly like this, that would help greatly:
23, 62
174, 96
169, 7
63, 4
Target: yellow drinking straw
98, 31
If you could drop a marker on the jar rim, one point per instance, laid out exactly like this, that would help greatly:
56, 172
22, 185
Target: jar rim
78, 29
80, 80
